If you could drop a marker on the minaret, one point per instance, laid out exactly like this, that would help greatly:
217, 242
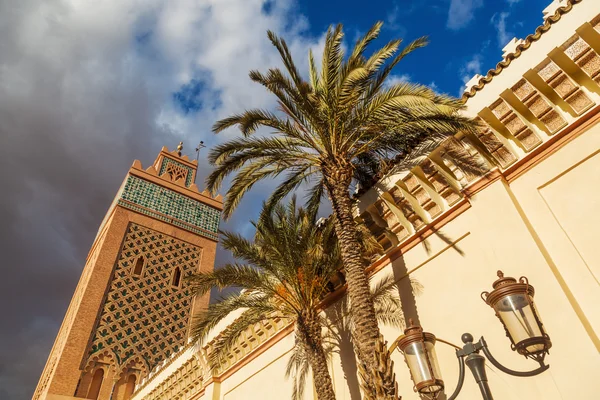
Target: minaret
132, 307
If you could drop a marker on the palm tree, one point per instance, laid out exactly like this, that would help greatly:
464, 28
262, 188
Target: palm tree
286, 274
341, 123
339, 329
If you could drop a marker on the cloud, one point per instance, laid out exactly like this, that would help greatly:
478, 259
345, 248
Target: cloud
395, 79
499, 22
86, 88
392, 20
471, 67
461, 12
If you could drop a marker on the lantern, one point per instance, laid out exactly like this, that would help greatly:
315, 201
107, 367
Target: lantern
513, 303
419, 353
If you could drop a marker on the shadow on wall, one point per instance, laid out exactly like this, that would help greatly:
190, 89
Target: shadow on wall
340, 341
409, 289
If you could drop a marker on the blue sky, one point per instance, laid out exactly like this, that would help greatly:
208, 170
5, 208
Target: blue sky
86, 87
466, 36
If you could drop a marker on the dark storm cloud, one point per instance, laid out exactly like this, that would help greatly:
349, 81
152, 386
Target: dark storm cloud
67, 137
86, 88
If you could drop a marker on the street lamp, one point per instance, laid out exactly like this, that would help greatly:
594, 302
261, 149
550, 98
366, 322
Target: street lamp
513, 303
419, 353
514, 306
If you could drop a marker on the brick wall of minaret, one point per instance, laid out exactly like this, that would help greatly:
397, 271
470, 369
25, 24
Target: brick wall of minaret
131, 308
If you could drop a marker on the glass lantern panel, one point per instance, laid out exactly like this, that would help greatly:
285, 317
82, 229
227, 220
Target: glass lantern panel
518, 316
433, 360
417, 362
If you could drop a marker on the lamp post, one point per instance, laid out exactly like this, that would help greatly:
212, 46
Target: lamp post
512, 301
514, 306
419, 353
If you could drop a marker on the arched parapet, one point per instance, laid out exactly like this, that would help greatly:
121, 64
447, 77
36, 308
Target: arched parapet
135, 365
105, 361
129, 375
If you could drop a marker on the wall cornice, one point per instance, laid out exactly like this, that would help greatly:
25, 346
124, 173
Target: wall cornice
534, 37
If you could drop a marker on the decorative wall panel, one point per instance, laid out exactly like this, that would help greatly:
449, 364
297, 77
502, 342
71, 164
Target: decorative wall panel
176, 170
564, 86
145, 315
164, 204
540, 108
497, 149
515, 125
584, 56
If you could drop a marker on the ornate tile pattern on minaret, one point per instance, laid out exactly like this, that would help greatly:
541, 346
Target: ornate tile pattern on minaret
176, 170
143, 313
167, 205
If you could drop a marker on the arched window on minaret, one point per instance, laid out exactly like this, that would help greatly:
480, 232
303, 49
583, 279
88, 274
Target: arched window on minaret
96, 384
176, 277
139, 265
130, 387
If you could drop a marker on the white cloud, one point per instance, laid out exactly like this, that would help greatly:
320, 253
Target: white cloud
461, 12
499, 22
392, 21
469, 69
395, 79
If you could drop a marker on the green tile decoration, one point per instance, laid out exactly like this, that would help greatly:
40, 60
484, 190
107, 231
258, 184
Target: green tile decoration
165, 163
166, 205
151, 333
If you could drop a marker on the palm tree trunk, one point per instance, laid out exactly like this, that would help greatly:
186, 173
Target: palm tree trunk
321, 376
310, 336
359, 293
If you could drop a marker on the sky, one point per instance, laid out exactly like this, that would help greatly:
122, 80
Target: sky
88, 86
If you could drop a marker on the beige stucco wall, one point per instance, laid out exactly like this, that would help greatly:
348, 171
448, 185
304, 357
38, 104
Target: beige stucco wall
493, 234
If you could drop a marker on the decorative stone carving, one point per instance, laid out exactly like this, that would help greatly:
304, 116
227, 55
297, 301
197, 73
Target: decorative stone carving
390, 218
564, 86
497, 149
439, 182
188, 379
468, 146
515, 125
460, 178
596, 23
378, 231
584, 56
404, 206
185, 381
540, 108
425, 201
176, 170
